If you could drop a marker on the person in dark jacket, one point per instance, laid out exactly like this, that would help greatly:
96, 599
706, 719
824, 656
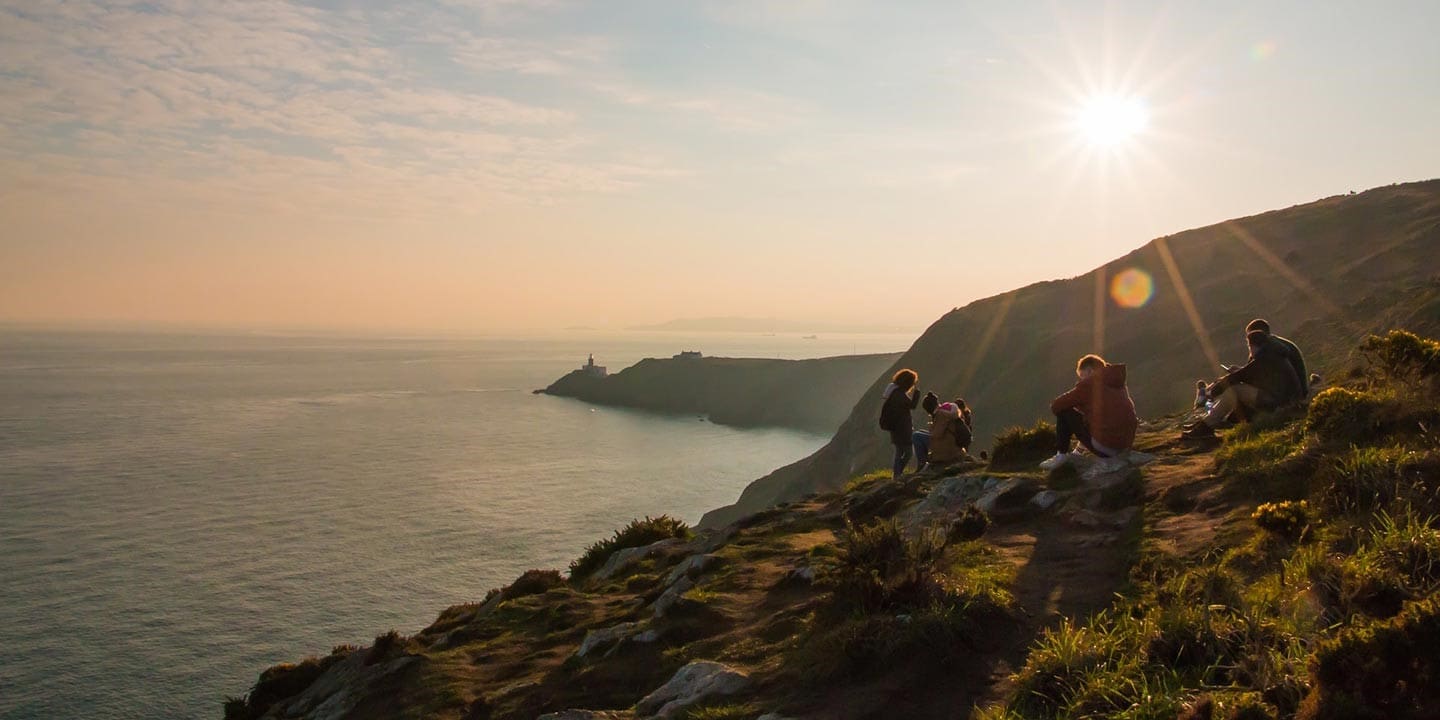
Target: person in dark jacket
1289, 350
1267, 382
900, 399
1098, 412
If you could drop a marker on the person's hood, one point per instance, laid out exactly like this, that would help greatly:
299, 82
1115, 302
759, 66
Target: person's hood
948, 408
1113, 375
892, 387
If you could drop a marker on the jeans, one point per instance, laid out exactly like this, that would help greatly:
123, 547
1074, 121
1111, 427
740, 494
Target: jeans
1239, 398
1070, 423
921, 440
902, 458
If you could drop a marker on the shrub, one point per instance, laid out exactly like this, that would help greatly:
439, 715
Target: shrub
881, 568
638, 533
1019, 446
386, 646
1340, 416
1290, 519
280, 682
1402, 355
533, 582
1384, 670
971, 524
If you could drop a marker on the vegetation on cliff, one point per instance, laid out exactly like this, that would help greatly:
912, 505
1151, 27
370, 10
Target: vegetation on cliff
1291, 569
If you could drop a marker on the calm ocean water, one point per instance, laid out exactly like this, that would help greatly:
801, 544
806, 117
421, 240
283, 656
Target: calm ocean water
177, 513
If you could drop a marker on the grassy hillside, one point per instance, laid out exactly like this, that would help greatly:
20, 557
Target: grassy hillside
1290, 569
813, 395
1324, 274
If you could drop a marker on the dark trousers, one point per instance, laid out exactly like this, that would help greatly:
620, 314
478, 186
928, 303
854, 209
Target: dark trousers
1069, 423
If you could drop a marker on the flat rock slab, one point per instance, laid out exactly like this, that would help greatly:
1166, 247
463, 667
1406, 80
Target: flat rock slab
621, 559
697, 681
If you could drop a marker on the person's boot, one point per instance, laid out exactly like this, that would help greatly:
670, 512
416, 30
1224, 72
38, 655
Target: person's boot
1201, 431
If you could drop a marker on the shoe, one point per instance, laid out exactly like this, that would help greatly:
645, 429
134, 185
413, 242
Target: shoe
1057, 461
1199, 432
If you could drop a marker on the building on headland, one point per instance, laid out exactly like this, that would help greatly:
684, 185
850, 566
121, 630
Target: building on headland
689, 355
594, 370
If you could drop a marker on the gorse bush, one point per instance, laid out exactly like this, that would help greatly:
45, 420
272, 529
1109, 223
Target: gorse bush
1289, 519
1402, 355
638, 533
1341, 416
533, 582
1019, 446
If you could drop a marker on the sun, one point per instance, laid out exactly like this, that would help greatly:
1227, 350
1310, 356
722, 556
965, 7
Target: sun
1111, 120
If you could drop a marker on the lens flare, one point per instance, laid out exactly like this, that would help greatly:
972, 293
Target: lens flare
1132, 288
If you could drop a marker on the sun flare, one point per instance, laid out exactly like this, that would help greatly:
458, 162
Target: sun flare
1112, 120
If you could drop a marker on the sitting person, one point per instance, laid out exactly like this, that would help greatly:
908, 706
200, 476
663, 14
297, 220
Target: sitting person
950, 434
1098, 412
1288, 350
1267, 382
921, 438
900, 400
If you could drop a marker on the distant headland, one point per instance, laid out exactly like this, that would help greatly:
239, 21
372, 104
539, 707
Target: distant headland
810, 395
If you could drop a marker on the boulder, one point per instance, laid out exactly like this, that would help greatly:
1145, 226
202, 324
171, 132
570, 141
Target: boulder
1044, 499
691, 567
947, 497
672, 595
804, 574
697, 681
621, 559
608, 638
580, 715
1007, 493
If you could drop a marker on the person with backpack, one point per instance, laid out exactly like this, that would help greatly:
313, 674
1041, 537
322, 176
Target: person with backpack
1098, 412
1267, 382
900, 399
950, 433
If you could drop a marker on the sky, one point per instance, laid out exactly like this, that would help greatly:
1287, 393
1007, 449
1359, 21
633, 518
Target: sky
506, 165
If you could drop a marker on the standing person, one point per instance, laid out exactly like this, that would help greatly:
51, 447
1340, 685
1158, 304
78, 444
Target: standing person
900, 400
1267, 382
1098, 412
921, 438
1288, 350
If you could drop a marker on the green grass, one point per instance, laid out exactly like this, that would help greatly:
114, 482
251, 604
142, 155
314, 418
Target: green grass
1326, 605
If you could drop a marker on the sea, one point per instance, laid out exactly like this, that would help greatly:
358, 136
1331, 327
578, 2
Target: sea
180, 511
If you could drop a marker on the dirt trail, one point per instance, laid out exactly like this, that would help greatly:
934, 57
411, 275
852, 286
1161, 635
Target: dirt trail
1068, 569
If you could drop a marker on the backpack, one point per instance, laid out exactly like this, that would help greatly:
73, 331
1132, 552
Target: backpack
887, 418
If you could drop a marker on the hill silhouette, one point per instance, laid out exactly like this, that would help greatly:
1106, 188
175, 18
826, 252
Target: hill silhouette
1324, 274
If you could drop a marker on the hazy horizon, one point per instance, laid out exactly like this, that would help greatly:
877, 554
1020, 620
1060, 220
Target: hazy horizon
496, 166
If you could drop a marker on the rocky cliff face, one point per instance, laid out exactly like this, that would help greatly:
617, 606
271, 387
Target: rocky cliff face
812, 395
1324, 274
